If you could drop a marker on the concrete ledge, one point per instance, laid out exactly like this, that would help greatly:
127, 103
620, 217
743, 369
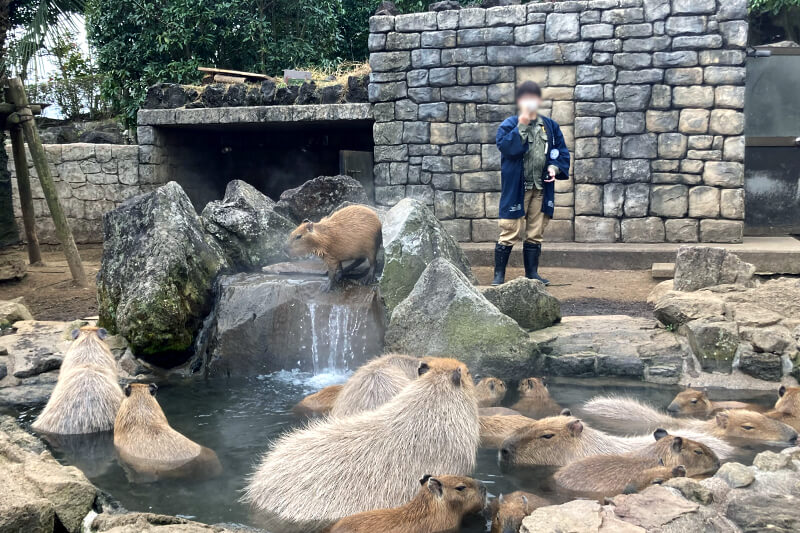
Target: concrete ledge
254, 115
775, 255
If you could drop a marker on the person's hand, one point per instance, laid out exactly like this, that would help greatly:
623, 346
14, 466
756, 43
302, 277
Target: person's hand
524, 119
552, 173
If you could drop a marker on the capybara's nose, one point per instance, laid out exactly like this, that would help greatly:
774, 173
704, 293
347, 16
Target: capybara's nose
673, 408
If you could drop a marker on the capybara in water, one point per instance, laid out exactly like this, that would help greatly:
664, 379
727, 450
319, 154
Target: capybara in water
147, 444
352, 233
654, 476
534, 399
375, 383
439, 505
87, 395
611, 474
495, 429
490, 392
693, 402
340, 466
560, 440
509, 510
628, 414
787, 408
318, 404
497, 411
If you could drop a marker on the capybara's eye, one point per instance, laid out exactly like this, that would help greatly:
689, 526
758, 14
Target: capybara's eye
548, 435
694, 400
699, 452
461, 488
298, 237
746, 427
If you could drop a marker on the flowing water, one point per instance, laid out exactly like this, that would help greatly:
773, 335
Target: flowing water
238, 417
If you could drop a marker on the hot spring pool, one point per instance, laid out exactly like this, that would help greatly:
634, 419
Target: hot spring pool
238, 418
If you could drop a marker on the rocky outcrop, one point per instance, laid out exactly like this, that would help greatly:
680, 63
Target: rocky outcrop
247, 228
36, 347
446, 315
698, 267
526, 301
319, 197
149, 523
13, 311
412, 238
12, 268
155, 279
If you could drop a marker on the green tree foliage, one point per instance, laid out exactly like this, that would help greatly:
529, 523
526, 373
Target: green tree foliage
774, 20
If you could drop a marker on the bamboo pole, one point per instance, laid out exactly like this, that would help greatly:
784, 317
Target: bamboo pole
39, 156
25, 196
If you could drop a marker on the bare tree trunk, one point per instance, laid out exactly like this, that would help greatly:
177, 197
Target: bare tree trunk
25, 196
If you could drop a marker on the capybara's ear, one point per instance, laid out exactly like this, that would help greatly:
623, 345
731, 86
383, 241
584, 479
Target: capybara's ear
435, 486
525, 501
576, 427
75, 333
102, 333
153, 389
677, 444
456, 377
722, 419
660, 433
423, 368
501, 499
782, 391
128, 389
424, 479
310, 227
566, 412
679, 471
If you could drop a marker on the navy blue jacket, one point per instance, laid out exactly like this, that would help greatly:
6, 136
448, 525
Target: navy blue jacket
512, 155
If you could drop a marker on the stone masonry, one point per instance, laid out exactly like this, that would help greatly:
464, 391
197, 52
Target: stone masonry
649, 95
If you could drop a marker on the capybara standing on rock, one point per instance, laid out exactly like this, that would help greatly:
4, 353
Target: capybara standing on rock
340, 466
352, 233
490, 392
375, 383
534, 399
147, 444
439, 506
87, 395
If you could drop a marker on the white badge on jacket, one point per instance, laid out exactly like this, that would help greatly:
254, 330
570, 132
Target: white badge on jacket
554, 153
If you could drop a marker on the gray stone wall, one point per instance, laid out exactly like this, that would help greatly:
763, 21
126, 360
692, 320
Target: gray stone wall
649, 95
90, 178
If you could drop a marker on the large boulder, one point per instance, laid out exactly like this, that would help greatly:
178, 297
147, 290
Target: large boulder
697, 267
247, 228
153, 523
445, 315
317, 198
412, 238
714, 342
158, 266
526, 301
676, 308
13, 311
12, 268
36, 347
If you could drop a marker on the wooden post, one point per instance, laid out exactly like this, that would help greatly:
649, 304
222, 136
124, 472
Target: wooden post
25, 196
39, 156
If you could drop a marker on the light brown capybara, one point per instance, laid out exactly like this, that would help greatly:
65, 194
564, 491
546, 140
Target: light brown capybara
696, 403
508, 511
611, 474
498, 411
375, 383
787, 408
87, 395
439, 506
534, 399
309, 476
352, 233
654, 476
628, 414
318, 404
495, 429
147, 444
490, 392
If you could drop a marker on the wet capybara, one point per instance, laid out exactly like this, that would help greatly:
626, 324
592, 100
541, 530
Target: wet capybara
508, 511
352, 233
490, 392
147, 444
654, 476
375, 383
340, 466
787, 408
628, 414
534, 399
87, 395
611, 474
696, 403
318, 404
439, 505
495, 429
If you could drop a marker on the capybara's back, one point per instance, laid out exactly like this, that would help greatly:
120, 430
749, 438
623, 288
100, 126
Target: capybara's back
375, 383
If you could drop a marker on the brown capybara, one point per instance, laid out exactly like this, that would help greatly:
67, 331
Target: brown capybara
495, 429
340, 466
693, 402
508, 511
147, 444
439, 505
87, 395
654, 476
375, 383
352, 233
534, 399
611, 474
490, 392
560, 440
498, 411
787, 408
628, 414
318, 404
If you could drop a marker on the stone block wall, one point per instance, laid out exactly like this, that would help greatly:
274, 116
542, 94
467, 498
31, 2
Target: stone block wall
649, 94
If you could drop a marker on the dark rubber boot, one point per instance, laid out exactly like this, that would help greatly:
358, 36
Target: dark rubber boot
501, 255
530, 254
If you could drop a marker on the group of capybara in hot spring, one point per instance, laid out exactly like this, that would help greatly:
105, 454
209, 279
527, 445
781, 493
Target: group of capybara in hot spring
391, 449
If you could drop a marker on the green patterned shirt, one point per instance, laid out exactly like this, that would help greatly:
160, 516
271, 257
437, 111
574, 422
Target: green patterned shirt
536, 156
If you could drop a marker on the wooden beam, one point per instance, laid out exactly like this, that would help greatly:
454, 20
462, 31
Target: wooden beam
25, 196
237, 73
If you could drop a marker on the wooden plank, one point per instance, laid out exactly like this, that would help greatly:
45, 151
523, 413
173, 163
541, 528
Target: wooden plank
224, 78
250, 75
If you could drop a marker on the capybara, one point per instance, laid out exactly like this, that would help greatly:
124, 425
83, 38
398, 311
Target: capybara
318, 404
375, 383
495, 429
693, 402
654, 476
509, 510
340, 466
439, 505
497, 411
352, 233
490, 392
611, 474
560, 440
147, 444
628, 414
787, 408
87, 395
534, 399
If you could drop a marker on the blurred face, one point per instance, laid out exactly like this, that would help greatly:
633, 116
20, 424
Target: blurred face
528, 104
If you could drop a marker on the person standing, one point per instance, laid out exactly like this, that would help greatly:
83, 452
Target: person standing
533, 156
